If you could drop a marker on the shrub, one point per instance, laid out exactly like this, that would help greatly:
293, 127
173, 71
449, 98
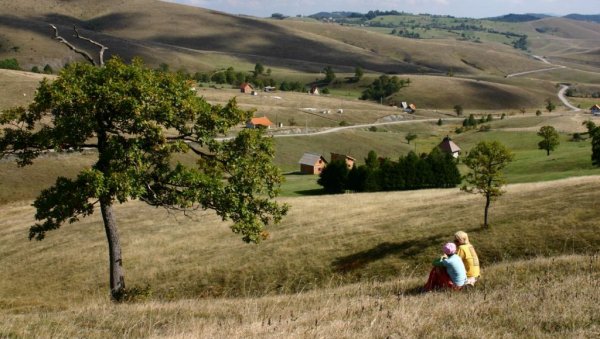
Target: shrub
11, 63
35, 69
48, 69
503, 116
485, 128
538, 113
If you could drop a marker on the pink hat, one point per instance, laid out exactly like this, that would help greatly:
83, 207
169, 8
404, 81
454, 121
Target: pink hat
449, 248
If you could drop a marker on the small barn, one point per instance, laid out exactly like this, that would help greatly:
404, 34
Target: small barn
262, 122
246, 88
314, 90
595, 110
348, 159
448, 146
312, 163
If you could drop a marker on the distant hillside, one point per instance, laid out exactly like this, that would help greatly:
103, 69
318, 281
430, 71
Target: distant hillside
335, 15
581, 17
517, 17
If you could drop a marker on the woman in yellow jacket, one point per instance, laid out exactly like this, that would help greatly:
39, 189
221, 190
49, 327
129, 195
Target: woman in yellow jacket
467, 253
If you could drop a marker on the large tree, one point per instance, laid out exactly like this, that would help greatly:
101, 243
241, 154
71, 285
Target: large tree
594, 132
486, 162
138, 120
550, 139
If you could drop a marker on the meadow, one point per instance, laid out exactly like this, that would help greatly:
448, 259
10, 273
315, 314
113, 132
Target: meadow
348, 265
337, 266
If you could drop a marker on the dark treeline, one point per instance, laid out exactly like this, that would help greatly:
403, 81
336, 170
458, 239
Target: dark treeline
434, 170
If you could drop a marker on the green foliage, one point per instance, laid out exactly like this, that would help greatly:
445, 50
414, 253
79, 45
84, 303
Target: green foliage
550, 139
410, 137
503, 116
325, 90
383, 87
440, 122
538, 113
550, 106
486, 162
11, 63
358, 73
458, 109
124, 111
35, 69
258, 69
594, 132
334, 177
293, 86
521, 43
410, 172
329, 74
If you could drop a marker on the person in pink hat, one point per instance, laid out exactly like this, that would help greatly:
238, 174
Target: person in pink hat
448, 271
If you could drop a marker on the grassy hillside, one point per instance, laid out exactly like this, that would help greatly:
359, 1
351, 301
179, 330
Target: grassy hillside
362, 257
291, 44
18, 88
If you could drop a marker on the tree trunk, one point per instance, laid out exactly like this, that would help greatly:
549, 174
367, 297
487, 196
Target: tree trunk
548, 152
485, 214
117, 277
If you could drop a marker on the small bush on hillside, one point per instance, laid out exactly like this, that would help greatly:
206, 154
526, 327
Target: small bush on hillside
458, 130
325, 90
373, 128
35, 69
503, 116
344, 123
576, 137
11, 63
48, 69
538, 113
485, 128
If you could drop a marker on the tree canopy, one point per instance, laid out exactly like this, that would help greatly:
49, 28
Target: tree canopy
550, 139
138, 119
383, 87
486, 162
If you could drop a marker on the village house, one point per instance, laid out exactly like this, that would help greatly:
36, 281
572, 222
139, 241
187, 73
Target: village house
262, 122
314, 90
246, 88
348, 159
595, 110
448, 146
312, 163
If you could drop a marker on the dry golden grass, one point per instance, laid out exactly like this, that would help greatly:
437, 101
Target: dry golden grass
18, 88
361, 257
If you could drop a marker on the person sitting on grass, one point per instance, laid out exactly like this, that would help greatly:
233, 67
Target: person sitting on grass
448, 271
467, 253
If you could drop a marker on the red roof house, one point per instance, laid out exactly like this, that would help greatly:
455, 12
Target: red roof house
262, 122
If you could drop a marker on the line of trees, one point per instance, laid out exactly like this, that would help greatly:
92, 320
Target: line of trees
383, 87
434, 170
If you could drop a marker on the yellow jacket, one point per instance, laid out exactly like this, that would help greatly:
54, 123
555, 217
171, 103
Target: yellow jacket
469, 257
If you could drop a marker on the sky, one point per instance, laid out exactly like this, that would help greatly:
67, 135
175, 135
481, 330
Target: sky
458, 8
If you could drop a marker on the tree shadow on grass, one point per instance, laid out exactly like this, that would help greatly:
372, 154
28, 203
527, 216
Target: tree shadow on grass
406, 249
316, 191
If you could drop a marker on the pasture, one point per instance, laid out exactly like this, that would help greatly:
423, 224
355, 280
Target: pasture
349, 264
